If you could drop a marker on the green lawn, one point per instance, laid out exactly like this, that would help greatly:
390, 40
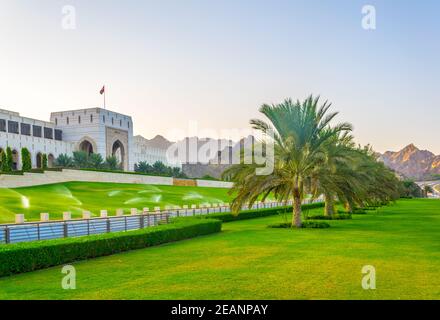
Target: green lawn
247, 260
79, 196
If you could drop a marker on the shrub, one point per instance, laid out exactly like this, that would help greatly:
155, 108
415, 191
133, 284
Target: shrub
337, 216
305, 224
44, 161
36, 170
359, 211
29, 256
4, 162
315, 225
111, 163
13, 173
95, 161
159, 168
80, 159
26, 162
257, 213
64, 161
7, 161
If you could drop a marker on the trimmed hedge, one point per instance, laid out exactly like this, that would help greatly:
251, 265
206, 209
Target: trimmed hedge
315, 225
336, 216
305, 224
29, 256
257, 213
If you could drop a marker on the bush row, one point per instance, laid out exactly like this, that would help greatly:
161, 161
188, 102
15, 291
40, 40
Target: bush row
257, 213
336, 216
305, 224
29, 256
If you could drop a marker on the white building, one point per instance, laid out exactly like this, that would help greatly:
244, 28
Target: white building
39, 137
93, 130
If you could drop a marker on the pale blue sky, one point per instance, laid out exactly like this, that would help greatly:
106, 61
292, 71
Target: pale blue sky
215, 62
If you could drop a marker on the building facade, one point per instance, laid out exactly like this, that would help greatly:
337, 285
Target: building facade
93, 130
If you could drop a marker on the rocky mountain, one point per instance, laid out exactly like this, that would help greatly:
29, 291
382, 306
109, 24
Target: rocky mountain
223, 160
413, 162
158, 142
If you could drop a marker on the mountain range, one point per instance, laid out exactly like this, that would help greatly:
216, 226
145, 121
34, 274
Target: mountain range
412, 162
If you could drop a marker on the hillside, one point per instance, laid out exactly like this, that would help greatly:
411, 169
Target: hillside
413, 162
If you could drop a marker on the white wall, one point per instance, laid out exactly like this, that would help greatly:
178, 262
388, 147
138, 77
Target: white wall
48, 177
33, 179
214, 184
94, 130
33, 144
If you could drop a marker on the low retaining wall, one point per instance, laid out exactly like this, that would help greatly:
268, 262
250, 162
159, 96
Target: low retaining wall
214, 184
49, 177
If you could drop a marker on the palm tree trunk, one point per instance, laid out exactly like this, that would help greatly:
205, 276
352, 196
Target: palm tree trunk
296, 217
329, 209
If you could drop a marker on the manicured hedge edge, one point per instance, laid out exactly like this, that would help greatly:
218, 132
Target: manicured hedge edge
336, 216
29, 256
257, 213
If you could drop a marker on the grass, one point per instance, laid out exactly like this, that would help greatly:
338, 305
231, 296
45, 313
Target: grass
91, 196
248, 260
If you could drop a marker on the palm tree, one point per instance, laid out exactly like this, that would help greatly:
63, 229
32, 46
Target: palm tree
427, 189
143, 167
334, 178
300, 131
80, 159
64, 161
95, 161
111, 163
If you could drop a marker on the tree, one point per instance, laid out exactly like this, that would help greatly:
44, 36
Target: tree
143, 167
95, 161
7, 164
160, 168
300, 132
44, 161
26, 160
411, 189
427, 189
80, 159
111, 163
64, 161
4, 162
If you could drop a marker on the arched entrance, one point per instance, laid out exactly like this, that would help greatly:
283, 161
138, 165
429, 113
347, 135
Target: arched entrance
15, 160
86, 146
50, 160
118, 152
39, 158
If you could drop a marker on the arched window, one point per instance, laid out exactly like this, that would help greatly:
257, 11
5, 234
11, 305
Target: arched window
103, 119
113, 121
67, 120
79, 119
56, 121
91, 118
128, 124
120, 123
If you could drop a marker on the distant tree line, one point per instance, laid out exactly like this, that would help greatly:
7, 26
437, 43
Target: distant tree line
83, 160
160, 169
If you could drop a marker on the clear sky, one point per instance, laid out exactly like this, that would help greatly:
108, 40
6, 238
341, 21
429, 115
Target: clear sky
215, 62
